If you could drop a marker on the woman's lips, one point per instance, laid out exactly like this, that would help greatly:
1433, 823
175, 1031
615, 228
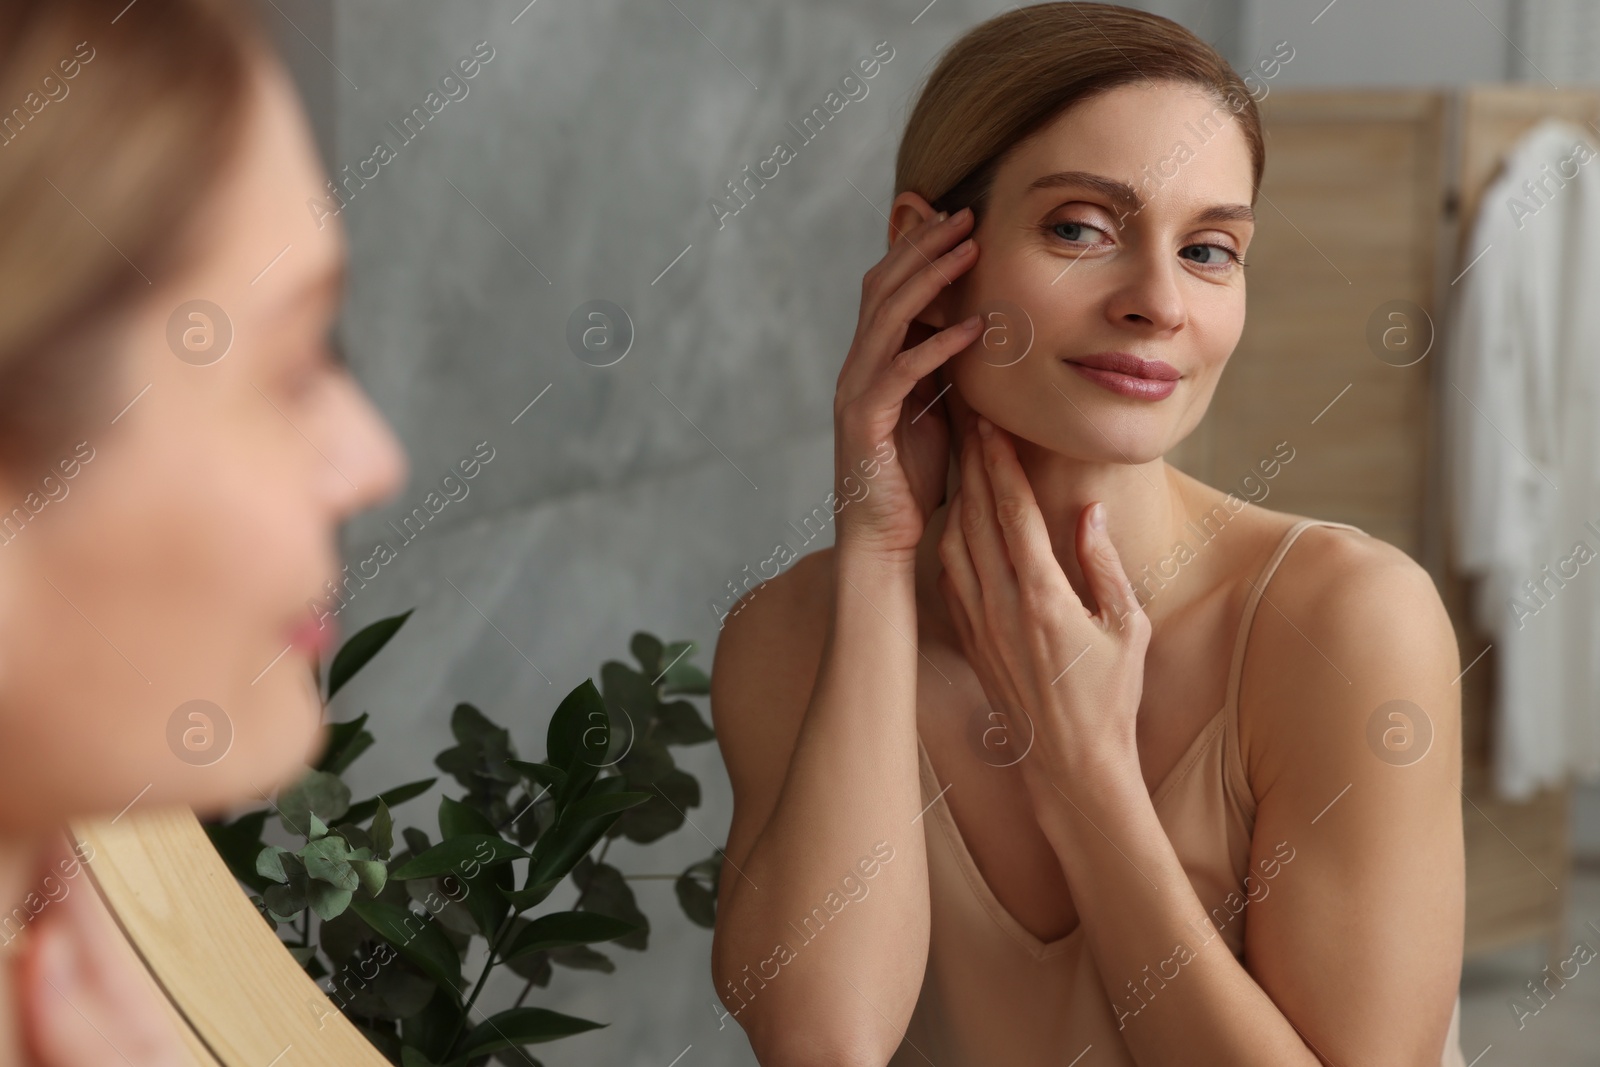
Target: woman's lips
310, 636
1128, 376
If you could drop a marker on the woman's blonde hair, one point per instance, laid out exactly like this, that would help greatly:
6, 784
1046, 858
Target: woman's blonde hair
1008, 77
115, 121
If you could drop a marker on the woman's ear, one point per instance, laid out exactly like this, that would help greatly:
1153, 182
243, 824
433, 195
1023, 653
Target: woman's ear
907, 214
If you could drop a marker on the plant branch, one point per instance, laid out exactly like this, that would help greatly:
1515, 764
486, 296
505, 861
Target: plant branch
528, 988
488, 965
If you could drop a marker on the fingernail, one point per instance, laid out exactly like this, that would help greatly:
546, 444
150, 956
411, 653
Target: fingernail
1097, 517
985, 427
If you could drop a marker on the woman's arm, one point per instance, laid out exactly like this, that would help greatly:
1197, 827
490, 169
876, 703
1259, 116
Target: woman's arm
1353, 930
822, 922
813, 828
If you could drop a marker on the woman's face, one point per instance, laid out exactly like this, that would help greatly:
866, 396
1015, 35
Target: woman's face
153, 639
1066, 271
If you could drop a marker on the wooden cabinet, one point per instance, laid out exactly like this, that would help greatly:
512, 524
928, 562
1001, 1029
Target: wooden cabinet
1364, 212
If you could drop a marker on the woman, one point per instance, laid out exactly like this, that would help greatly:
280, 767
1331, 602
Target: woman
992, 804
178, 445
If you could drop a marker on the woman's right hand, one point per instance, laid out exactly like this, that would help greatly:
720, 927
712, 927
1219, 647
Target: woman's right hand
884, 408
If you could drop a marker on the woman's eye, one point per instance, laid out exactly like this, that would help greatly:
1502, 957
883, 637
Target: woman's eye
1075, 229
1226, 256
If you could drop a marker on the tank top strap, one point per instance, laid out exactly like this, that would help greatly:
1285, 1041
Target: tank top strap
1233, 756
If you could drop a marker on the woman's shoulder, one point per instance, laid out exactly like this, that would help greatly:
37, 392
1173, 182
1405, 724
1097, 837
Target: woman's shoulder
1343, 611
770, 645
798, 597
1331, 564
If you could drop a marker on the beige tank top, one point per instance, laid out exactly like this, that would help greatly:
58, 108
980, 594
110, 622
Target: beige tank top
995, 994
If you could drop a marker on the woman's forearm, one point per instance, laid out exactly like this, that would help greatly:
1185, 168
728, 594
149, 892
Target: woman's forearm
1177, 992
829, 921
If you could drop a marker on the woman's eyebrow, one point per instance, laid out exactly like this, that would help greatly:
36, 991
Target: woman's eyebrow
1128, 200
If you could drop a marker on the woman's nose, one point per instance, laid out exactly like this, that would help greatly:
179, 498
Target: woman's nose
376, 466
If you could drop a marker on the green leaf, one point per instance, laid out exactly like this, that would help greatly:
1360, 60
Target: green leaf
523, 1026
451, 857
435, 894
418, 939
416, 840
579, 736
433, 1030
605, 891
672, 795
457, 820
362, 647
346, 741
357, 838
486, 886
698, 902
285, 902
345, 940
542, 774
534, 967
327, 859
683, 676
625, 688
396, 992
479, 761
410, 1057
373, 875
647, 762
391, 797
318, 792
327, 901
382, 831
563, 928
596, 806
696, 890
679, 723
270, 865
573, 835
646, 648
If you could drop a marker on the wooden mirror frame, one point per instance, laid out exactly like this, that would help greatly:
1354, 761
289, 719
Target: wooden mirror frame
238, 998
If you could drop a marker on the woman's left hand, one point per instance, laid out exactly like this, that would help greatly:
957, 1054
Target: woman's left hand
1069, 678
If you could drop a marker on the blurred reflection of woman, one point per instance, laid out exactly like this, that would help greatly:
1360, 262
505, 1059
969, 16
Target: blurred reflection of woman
1093, 829
178, 445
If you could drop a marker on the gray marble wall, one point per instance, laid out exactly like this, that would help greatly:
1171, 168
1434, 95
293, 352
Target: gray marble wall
579, 163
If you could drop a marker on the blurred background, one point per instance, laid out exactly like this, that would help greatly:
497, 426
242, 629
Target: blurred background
631, 482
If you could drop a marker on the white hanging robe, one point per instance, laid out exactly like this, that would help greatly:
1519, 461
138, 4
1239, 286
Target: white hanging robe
1521, 400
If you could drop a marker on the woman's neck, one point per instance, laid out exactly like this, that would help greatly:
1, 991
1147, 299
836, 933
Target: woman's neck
1146, 506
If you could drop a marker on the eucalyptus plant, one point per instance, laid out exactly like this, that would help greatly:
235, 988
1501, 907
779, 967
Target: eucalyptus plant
345, 894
